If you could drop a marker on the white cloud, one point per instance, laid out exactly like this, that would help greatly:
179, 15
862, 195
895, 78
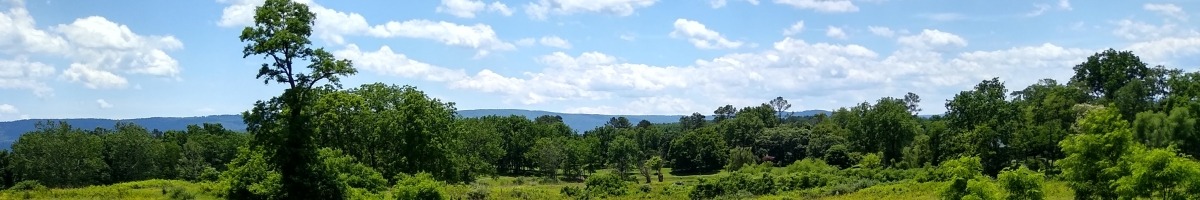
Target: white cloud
98, 49
8, 109
1038, 9
21, 34
103, 104
500, 8
717, 3
1163, 50
791, 67
461, 8
113, 47
835, 32
1064, 4
796, 28
881, 31
644, 106
831, 6
21, 73
542, 8
385, 61
834, 72
555, 41
1136, 30
932, 39
1169, 10
526, 42
94, 78
702, 37
332, 26
468, 8
478, 36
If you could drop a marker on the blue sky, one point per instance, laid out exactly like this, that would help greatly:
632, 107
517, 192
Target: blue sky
131, 59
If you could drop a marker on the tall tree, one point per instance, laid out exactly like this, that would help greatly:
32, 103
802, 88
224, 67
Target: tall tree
986, 117
781, 106
723, 113
280, 35
692, 122
913, 102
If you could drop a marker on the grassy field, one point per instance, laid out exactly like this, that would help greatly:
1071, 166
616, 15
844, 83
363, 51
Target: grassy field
500, 188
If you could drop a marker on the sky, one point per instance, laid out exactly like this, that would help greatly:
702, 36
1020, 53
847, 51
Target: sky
126, 59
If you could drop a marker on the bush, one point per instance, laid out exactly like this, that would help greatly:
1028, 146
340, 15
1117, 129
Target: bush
422, 186
479, 193
177, 193
1022, 184
706, 189
811, 165
604, 184
739, 157
803, 180
870, 161
571, 191
27, 186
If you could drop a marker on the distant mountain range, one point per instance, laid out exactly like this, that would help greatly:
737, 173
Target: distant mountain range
11, 130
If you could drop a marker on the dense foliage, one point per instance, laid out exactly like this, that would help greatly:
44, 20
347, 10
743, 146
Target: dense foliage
1117, 129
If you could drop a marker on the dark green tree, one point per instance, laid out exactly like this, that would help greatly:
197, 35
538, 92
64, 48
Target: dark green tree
280, 35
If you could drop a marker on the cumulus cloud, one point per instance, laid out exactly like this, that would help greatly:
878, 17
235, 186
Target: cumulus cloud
100, 52
478, 36
543, 8
1169, 10
8, 109
103, 104
332, 25
881, 31
702, 37
804, 70
796, 28
555, 41
468, 8
644, 106
835, 32
932, 39
21, 73
830, 6
1137, 30
385, 61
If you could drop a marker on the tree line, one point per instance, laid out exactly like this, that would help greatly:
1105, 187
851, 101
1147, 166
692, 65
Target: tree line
1117, 128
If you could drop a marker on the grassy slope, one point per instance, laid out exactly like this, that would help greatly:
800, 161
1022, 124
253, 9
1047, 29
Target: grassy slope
512, 188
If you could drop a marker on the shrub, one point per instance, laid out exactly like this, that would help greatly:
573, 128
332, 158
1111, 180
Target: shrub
1022, 184
421, 186
812, 165
177, 193
27, 186
803, 180
571, 191
739, 157
604, 184
706, 189
870, 161
478, 193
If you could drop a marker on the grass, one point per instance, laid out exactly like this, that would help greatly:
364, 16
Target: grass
138, 190
504, 188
